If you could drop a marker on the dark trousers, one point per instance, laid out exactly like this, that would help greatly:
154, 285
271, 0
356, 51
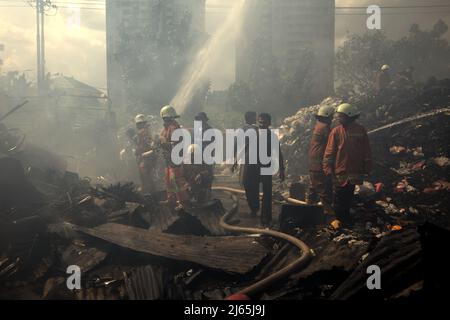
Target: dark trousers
320, 188
251, 181
343, 199
266, 211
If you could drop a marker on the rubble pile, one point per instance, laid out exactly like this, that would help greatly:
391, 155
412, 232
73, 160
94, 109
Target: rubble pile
376, 111
409, 139
412, 162
130, 246
117, 237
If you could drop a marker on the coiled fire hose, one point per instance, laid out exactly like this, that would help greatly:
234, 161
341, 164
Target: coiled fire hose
279, 275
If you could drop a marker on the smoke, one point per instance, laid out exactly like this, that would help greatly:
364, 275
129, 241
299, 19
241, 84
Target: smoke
207, 55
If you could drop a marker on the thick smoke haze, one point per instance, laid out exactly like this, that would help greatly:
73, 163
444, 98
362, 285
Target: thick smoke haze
79, 51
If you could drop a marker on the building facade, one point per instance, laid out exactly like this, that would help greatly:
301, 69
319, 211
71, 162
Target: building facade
285, 32
147, 43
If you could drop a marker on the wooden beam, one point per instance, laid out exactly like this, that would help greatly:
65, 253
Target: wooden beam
231, 254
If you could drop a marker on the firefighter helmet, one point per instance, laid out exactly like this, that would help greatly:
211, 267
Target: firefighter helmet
385, 67
140, 118
168, 112
348, 110
325, 111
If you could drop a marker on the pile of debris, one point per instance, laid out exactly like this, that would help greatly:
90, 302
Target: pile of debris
130, 246
376, 111
409, 139
50, 221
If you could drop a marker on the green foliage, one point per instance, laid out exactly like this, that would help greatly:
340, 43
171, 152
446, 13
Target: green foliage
361, 56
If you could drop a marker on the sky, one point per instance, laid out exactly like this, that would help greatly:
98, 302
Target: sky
78, 47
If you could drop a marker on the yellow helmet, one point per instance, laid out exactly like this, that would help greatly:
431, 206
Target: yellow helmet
348, 110
325, 111
169, 112
385, 67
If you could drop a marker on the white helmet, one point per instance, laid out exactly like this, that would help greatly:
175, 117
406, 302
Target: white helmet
140, 118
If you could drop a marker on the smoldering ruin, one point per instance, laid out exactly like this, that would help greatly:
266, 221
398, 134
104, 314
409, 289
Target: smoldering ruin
86, 177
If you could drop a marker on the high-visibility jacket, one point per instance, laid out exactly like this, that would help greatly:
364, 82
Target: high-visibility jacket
317, 146
348, 155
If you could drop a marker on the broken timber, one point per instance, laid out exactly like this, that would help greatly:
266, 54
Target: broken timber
230, 254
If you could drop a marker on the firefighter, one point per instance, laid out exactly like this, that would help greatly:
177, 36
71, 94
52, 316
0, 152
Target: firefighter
348, 158
176, 185
145, 154
264, 122
382, 79
203, 117
198, 177
320, 185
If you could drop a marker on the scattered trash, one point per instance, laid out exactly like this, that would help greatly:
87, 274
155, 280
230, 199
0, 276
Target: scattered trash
397, 150
442, 161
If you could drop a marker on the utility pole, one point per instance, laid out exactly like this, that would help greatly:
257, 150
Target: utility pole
38, 47
40, 44
43, 77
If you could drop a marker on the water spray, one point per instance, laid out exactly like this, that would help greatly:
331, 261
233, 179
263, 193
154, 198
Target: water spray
197, 70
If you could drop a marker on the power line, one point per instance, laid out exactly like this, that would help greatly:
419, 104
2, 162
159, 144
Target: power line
100, 2
224, 12
99, 6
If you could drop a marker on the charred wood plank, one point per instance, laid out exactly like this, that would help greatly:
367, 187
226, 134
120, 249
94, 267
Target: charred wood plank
230, 254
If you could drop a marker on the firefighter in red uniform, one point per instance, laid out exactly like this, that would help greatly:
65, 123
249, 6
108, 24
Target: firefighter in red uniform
348, 158
145, 155
176, 183
382, 79
321, 185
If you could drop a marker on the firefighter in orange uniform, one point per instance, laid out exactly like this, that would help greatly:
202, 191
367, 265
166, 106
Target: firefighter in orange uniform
176, 184
348, 158
145, 154
321, 185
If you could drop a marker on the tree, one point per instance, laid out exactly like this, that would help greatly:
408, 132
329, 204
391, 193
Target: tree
428, 52
361, 56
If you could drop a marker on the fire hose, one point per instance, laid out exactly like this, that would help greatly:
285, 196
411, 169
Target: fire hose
295, 266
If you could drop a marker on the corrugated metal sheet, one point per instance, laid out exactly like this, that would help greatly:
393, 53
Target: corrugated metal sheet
151, 283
